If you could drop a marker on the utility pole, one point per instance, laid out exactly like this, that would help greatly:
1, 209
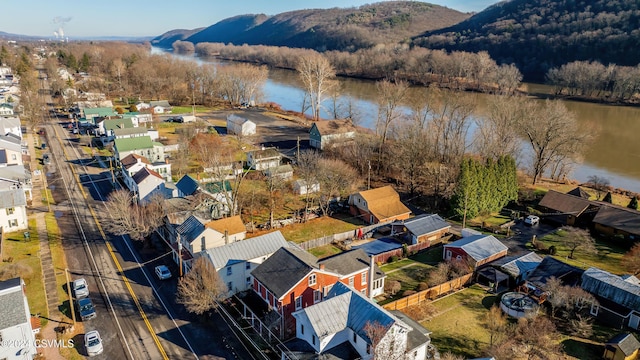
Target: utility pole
369, 175
179, 256
298, 151
113, 177
71, 309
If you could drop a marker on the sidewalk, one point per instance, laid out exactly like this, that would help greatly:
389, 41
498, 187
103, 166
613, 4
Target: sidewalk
38, 210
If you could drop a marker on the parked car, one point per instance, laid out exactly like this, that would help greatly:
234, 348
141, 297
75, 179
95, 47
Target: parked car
46, 160
93, 343
532, 220
80, 288
86, 309
162, 272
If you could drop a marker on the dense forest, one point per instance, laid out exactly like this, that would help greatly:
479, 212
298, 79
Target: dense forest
346, 29
538, 35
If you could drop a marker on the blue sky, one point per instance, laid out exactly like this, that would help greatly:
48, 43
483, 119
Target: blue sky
151, 18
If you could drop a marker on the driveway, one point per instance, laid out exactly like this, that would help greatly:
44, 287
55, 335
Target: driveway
523, 233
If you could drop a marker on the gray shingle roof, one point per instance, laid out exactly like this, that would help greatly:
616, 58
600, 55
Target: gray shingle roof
12, 198
190, 228
350, 262
550, 267
479, 247
627, 343
285, 268
12, 308
624, 219
611, 287
248, 249
425, 224
187, 185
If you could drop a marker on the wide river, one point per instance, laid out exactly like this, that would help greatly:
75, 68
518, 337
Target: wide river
613, 154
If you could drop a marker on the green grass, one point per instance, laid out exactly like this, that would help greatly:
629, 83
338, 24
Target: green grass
458, 324
431, 256
387, 268
315, 228
324, 251
59, 261
189, 109
410, 277
608, 256
26, 253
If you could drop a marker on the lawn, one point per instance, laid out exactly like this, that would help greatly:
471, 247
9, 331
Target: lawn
189, 109
608, 256
324, 251
25, 262
458, 324
316, 228
59, 261
409, 276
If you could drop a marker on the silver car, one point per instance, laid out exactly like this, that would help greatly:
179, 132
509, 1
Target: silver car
93, 343
80, 288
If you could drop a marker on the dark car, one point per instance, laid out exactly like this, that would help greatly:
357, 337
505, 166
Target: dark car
46, 160
86, 309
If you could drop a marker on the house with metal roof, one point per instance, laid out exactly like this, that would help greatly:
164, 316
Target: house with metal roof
18, 334
235, 261
424, 228
326, 133
379, 205
146, 183
11, 125
133, 163
623, 346
237, 125
477, 249
518, 267
292, 279
92, 114
536, 284
347, 322
142, 145
618, 298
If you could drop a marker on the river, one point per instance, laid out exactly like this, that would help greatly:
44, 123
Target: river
614, 153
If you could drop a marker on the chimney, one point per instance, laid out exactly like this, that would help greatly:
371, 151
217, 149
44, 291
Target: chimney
226, 237
372, 272
321, 266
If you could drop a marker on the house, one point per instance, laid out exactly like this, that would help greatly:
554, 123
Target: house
240, 126
348, 325
16, 177
518, 267
142, 146
284, 172
92, 114
477, 249
107, 126
425, 228
18, 333
301, 187
138, 118
378, 205
579, 192
568, 209
133, 163
263, 159
187, 186
614, 220
536, 284
11, 125
13, 208
292, 279
229, 230
618, 299
146, 183
160, 107
6, 109
143, 106
235, 261
324, 134
10, 150
621, 347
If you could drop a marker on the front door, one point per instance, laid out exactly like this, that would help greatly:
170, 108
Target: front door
634, 321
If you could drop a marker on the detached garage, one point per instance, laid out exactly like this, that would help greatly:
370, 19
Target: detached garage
240, 126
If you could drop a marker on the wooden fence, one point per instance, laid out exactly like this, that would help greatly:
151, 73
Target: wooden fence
383, 257
429, 294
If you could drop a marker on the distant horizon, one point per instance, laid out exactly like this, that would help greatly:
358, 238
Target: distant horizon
80, 19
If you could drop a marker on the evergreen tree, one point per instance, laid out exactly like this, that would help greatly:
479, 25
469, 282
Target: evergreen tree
608, 198
84, 62
633, 204
4, 55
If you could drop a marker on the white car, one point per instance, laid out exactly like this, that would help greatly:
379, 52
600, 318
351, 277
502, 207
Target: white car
80, 288
532, 220
162, 272
93, 343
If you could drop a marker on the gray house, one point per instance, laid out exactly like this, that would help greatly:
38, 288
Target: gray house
618, 297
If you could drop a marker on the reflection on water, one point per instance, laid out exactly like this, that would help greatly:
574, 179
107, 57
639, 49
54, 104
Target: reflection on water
613, 153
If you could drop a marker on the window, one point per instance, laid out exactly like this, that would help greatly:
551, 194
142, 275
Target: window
10, 211
13, 223
368, 348
313, 339
317, 297
363, 280
312, 279
229, 271
299, 303
248, 280
355, 338
302, 329
594, 309
351, 281
203, 244
327, 289
229, 285
247, 265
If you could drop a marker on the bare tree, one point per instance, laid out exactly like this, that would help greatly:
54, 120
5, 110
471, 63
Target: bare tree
495, 322
451, 356
336, 178
316, 73
201, 289
127, 217
390, 97
631, 260
242, 82
576, 238
308, 173
497, 133
600, 184
384, 340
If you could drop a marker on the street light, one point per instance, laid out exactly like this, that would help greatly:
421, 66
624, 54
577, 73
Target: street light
73, 313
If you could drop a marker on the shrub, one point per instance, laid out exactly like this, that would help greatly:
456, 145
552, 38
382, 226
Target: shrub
422, 286
16, 270
408, 292
392, 287
552, 250
392, 259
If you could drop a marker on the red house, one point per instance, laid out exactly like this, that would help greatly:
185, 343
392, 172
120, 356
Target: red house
378, 205
477, 249
292, 279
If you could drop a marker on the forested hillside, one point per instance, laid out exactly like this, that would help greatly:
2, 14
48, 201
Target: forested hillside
329, 29
537, 35
171, 36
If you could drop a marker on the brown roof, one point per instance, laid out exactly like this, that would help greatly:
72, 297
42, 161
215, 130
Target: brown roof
132, 159
328, 127
384, 202
233, 225
624, 219
564, 203
579, 192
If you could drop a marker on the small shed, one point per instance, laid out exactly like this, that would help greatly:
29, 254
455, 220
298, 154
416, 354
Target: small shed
237, 125
187, 118
621, 347
284, 172
302, 187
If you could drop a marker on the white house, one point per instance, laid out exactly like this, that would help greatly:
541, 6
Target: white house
194, 236
147, 183
240, 126
284, 172
229, 230
141, 145
301, 187
6, 109
160, 107
10, 150
234, 262
263, 159
348, 319
18, 337
133, 163
10, 125
13, 209
143, 106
